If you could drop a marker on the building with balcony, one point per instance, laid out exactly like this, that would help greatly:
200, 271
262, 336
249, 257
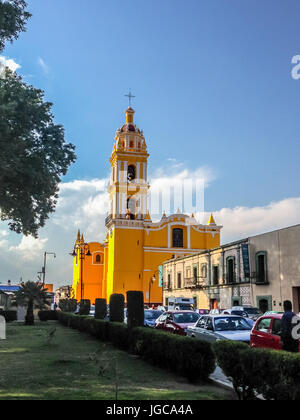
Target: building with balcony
262, 271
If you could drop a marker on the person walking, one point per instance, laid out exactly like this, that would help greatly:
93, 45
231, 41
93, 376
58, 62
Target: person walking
288, 342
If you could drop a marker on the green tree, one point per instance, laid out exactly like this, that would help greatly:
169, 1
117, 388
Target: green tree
31, 295
13, 19
33, 157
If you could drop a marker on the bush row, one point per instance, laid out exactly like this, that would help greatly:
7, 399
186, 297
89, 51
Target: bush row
273, 374
47, 316
185, 356
10, 316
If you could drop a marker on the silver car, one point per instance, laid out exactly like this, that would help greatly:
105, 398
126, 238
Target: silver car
221, 327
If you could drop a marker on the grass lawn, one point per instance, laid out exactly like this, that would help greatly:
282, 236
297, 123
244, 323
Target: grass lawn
75, 366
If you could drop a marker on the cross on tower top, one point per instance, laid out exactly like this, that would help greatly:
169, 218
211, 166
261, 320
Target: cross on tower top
130, 97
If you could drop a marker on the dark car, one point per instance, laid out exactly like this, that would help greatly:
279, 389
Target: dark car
151, 315
177, 322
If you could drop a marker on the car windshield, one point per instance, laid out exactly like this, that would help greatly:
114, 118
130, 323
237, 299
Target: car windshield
152, 315
185, 306
238, 313
231, 324
252, 311
186, 318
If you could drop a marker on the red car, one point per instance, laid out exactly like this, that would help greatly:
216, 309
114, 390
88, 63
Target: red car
266, 333
176, 322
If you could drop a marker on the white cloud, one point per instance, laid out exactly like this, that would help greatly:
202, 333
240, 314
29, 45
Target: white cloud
10, 63
242, 222
29, 248
44, 66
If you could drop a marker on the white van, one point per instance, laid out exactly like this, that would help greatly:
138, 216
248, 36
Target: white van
180, 304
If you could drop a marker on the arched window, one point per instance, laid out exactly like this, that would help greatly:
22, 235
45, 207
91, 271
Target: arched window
131, 205
177, 238
98, 259
131, 173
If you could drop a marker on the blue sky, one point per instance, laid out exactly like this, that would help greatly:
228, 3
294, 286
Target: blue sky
212, 81
213, 87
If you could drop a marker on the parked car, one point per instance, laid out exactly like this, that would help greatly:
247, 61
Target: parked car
177, 322
250, 321
252, 312
267, 332
221, 327
151, 316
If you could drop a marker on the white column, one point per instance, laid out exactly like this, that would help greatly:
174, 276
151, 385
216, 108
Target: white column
189, 237
138, 171
125, 171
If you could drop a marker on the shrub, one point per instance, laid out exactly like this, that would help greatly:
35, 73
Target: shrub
193, 359
274, 374
118, 335
281, 376
47, 316
85, 307
10, 316
135, 309
100, 308
241, 364
116, 308
68, 305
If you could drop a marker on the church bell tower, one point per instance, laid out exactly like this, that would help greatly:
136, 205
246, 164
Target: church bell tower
128, 188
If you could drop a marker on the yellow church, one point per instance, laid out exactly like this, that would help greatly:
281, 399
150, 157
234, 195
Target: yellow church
135, 247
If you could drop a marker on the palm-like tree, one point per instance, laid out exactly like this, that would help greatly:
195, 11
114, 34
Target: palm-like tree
31, 295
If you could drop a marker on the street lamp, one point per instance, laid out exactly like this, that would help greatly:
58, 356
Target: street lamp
151, 282
83, 250
44, 268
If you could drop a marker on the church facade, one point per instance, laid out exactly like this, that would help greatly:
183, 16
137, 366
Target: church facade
135, 247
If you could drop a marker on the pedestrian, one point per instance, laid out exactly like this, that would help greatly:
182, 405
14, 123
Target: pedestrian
288, 342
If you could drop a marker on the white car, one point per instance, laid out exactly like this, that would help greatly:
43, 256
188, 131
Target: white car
221, 327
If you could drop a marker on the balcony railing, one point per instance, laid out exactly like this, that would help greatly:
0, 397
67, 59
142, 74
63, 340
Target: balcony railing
108, 219
193, 283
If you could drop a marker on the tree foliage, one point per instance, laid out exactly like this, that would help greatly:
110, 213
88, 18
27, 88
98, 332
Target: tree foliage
13, 19
33, 157
32, 295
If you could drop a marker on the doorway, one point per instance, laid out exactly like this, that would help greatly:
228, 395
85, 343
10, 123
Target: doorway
213, 304
296, 299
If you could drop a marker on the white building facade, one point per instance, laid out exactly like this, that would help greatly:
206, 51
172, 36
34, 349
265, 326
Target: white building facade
261, 271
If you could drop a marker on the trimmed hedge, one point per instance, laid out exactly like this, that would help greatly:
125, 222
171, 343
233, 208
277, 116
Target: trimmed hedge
10, 316
47, 316
273, 374
68, 305
185, 356
135, 309
193, 359
100, 308
116, 308
85, 307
